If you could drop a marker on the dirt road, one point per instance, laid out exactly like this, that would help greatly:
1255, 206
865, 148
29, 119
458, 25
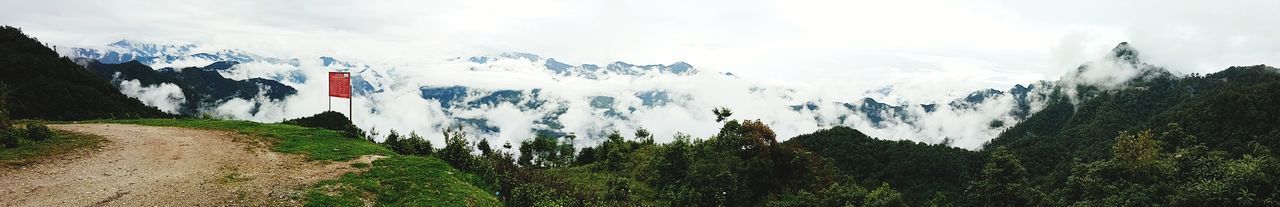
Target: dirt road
165, 166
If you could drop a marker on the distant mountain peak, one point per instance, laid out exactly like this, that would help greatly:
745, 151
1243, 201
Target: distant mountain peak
589, 71
221, 65
1126, 53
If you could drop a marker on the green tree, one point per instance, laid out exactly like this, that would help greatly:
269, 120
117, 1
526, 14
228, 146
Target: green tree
457, 150
1137, 152
418, 145
484, 147
644, 137
721, 113
1004, 182
884, 196
393, 141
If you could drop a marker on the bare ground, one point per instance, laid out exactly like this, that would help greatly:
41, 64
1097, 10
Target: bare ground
166, 166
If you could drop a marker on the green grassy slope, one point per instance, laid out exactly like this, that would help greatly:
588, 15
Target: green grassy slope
403, 180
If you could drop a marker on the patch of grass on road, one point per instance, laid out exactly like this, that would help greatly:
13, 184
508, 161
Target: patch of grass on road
63, 142
316, 144
403, 180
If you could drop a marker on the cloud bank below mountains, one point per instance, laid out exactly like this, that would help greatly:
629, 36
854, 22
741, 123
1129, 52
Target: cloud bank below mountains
511, 96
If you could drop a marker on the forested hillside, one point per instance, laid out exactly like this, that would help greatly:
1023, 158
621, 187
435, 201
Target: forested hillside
200, 87
43, 85
921, 171
1191, 132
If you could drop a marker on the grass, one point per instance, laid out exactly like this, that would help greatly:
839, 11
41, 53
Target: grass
316, 144
402, 181
63, 142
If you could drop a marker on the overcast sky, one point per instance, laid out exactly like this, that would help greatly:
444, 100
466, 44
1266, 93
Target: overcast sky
928, 45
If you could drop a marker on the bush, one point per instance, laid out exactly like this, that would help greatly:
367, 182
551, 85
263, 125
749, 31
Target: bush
38, 132
330, 120
8, 138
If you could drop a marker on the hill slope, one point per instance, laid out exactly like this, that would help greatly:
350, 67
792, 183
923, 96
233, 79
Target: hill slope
919, 170
1226, 110
198, 88
46, 86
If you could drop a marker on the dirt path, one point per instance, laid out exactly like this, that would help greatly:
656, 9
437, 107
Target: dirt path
165, 166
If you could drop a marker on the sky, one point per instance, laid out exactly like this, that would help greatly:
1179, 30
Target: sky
848, 45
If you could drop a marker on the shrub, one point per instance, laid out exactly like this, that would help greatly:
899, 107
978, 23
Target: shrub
38, 132
4, 108
330, 120
417, 145
8, 138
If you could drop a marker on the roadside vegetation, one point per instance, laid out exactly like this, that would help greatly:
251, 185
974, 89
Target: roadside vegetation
27, 150
23, 144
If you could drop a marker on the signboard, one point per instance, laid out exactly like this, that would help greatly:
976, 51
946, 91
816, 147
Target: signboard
340, 84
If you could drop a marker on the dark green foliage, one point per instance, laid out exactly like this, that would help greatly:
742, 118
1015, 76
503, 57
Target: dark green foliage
586, 156
884, 196
644, 137
146, 76
5, 123
9, 138
741, 166
1226, 112
919, 170
416, 145
38, 132
722, 113
835, 195
744, 165
43, 85
547, 151
457, 150
413, 144
394, 142
1005, 182
330, 120
484, 147
1141, 173
201, 86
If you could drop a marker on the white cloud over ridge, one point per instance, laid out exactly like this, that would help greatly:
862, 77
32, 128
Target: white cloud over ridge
166, 96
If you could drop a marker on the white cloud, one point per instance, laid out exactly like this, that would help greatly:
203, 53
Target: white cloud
166, 96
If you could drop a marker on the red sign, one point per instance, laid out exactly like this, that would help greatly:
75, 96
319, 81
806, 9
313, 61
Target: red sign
340, 84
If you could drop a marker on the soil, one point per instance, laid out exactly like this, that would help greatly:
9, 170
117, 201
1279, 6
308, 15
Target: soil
167, 166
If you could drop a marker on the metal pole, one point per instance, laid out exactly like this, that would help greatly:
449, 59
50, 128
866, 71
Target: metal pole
351, 106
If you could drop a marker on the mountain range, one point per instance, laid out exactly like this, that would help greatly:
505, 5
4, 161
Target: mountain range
555, 97
1114, 132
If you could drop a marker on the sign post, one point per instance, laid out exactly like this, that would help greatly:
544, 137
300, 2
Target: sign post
340, 86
